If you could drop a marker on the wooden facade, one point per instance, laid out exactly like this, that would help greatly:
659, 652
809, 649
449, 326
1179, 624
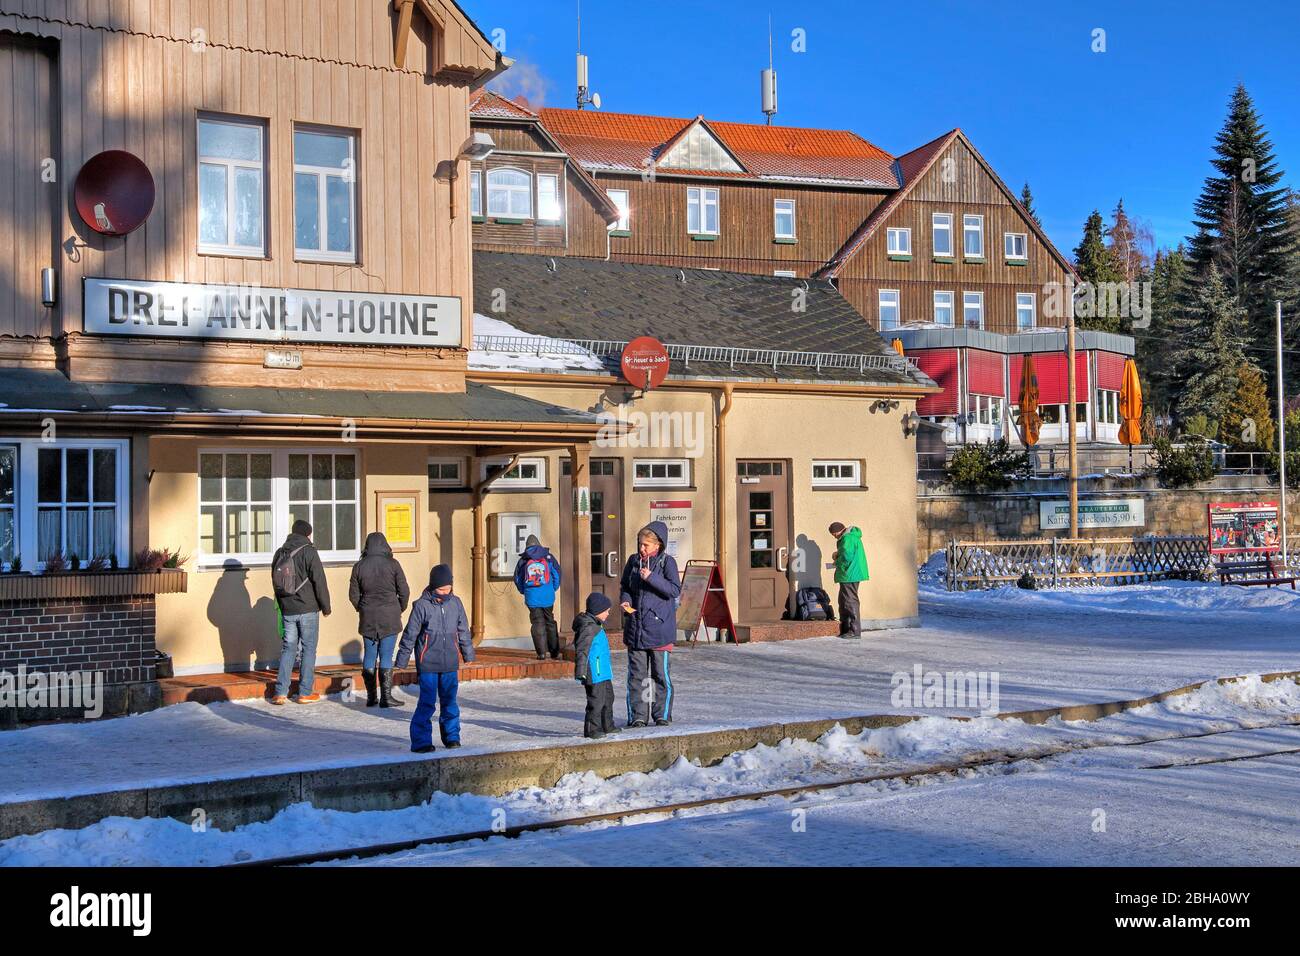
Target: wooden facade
137, 76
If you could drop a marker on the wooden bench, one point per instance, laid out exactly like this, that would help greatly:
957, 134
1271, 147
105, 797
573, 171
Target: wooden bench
1236, 572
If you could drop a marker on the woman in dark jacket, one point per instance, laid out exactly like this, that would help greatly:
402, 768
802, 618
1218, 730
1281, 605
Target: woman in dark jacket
379, 592
650, 588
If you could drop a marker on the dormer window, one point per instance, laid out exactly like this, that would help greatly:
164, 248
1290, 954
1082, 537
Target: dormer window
510, 193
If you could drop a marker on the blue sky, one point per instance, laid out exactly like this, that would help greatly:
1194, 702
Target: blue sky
1136, 121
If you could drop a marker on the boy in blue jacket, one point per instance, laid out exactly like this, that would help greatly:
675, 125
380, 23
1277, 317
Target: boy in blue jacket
537, 577
436, 628
592, 666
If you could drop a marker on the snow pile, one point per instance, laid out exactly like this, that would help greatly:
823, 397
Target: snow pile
1167, 597
528, 360
836, 755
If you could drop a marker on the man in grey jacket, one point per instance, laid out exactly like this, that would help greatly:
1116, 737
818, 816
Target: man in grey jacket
437, 633
300, 589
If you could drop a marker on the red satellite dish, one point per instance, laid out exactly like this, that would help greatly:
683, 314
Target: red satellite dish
645, 362
114, 192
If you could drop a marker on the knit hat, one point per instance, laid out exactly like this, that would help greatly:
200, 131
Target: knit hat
532, 541
836, 529
440, 576
597, 602
302, 527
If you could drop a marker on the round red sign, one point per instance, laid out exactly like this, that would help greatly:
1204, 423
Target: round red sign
645, 362
114, 192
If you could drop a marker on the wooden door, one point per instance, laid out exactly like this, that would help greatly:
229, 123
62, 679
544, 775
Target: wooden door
763, 539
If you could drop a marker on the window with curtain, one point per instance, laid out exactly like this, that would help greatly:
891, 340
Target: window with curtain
324, 195
235, 504
232, 192
8, 502
510, 193
76, 502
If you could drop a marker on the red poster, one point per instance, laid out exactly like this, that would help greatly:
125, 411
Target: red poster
1244, 527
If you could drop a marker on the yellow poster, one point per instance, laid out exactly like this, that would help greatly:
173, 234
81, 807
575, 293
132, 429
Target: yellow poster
399, 524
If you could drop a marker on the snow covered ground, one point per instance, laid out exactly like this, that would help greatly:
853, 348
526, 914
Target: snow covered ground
993, 814
1048, 648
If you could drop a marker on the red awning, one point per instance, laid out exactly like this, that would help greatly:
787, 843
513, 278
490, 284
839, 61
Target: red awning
1052, 379
984, 373
1110, 371
940, 365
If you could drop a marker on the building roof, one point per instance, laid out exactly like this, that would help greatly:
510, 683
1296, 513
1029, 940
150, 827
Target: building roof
911, 169
582, 300
491, 105
27, 393
627, 142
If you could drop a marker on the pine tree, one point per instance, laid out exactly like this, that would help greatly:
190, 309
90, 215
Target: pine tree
1156, 344
1209, 347
1027, 200
1129, 240
1240, 218
1096, 266
1248, 422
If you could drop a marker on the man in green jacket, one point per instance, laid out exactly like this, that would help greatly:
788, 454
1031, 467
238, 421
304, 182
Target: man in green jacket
850, 571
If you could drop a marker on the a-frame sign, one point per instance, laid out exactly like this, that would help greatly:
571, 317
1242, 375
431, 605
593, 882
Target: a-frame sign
704, 600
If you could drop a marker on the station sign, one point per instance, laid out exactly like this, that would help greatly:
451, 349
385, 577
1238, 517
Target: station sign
183, 310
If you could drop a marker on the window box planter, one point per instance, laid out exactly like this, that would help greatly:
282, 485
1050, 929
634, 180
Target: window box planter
501, 221
703, 237
978, 260
950, 260
786, 242
91, 584
478, 218
899, 257
1017, 262
621, 233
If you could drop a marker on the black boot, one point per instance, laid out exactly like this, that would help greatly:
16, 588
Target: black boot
369, 678
386, 698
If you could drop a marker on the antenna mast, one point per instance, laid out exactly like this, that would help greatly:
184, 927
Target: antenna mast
768, 78
585, 97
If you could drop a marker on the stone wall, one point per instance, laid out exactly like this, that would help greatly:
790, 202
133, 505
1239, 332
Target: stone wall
942, 514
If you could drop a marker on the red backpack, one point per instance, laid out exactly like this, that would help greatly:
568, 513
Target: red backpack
537, 572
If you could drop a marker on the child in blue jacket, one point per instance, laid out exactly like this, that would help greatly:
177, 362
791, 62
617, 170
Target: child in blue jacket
435, 630
537, 578
592, 666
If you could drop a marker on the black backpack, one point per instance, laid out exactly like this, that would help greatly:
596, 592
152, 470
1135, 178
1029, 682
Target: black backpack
813, 604
284, 576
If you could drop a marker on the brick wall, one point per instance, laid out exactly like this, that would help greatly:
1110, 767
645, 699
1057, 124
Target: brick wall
112, 635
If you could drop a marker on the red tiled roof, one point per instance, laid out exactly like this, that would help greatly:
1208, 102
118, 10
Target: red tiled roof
626, 141
488, 105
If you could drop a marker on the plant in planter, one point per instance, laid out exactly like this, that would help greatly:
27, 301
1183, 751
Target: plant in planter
97, 564
56, 562
16, 565
74, 562
156, 559
112, 561
174, 559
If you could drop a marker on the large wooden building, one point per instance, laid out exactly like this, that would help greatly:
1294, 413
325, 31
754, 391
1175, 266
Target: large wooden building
924, 242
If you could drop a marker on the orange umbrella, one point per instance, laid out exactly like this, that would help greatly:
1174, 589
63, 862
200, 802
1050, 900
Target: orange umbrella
898, 346
1130, 409
1030, 420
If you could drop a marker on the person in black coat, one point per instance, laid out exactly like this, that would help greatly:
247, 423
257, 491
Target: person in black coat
379, 592
298, 578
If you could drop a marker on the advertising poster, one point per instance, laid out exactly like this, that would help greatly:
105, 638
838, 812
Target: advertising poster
677, 516
1237, 527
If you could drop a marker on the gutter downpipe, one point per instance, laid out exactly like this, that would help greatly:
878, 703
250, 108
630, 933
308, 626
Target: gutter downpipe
478, 578
720, 478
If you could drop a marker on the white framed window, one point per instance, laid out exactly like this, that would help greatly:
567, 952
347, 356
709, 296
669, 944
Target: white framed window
836, 474
1107, 407
250, 498
661, 473
987, 409
941, 226
621, 199
232, 186
943, 311
972, 231
324, 195
1016, 245
702, 210
972, 310
510, 193
785, 274
899, 242
1026, 311
888, 305
527, 473
476, 192
783, 218
8, 504
549, 207
446, 473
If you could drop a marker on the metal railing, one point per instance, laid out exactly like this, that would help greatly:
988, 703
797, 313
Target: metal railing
1054, 461
686, 354
1058, 562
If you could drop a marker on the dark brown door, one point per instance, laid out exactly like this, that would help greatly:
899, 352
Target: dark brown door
606, 556
763, 529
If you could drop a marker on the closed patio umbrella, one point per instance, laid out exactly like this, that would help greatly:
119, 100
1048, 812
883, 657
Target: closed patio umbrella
1030, 421
1130, 409
898, 346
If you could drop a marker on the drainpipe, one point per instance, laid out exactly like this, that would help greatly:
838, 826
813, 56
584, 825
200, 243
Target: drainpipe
720, 476
478, 553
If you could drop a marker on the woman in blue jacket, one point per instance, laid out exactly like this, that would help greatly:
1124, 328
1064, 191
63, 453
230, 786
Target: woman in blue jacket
650, 588
436, 630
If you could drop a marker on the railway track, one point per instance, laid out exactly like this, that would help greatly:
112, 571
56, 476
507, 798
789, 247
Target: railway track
973, 762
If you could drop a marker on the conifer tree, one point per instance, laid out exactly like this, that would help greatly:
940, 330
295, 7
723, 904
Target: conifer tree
1027, 200
1096, 265
1209, 337
1248, 421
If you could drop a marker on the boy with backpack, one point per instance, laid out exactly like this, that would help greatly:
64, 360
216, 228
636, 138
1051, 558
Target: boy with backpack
592, 667
302, 595
435, 631
537, 577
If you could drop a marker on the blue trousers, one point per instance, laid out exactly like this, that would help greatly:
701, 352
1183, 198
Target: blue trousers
301, 629
434, 688
379, 650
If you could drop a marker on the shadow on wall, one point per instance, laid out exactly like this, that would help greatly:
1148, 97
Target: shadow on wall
248, 631
810, 574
